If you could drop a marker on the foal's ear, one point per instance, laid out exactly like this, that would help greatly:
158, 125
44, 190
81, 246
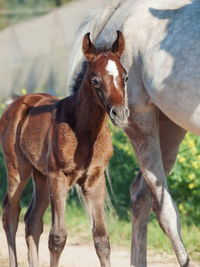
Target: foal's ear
118, 46
88, 48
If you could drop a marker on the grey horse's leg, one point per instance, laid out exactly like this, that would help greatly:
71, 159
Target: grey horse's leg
34, 215
171, 136
141, 205
143, 131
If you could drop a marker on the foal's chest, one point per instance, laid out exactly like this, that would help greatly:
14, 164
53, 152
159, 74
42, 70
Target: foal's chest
76, 155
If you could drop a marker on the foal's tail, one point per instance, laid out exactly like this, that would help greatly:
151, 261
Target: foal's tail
108, 203
93, 23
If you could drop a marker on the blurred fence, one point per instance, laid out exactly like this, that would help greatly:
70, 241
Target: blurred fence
34, 54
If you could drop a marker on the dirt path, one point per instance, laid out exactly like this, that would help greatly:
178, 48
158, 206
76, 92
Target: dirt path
77, 253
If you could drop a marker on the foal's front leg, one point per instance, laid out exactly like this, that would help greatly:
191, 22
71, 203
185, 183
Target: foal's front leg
94, 195
58, 188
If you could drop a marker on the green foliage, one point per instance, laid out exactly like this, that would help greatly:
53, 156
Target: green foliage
123, 168
184, 180
158, 241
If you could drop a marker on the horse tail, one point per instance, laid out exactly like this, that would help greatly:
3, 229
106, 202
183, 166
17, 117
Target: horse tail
93, 23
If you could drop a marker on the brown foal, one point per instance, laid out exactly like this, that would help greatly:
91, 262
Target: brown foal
61, 143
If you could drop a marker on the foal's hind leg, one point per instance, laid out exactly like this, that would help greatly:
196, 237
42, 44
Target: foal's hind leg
17, 179
34, 215
94, 195
170, 137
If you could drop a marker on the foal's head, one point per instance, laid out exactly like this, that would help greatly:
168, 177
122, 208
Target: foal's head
108, 78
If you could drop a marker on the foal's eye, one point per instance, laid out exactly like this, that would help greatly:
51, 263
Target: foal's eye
95, 83
126, 78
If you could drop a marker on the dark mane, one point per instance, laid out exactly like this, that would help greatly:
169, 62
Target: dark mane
79, 78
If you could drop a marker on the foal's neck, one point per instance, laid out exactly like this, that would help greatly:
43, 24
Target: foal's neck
91, 118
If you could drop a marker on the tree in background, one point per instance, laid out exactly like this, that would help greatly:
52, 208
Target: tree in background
58, 2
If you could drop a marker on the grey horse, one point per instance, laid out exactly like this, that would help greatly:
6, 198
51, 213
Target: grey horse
162, 59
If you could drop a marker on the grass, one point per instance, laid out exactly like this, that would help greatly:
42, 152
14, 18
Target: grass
120, 231
159, 242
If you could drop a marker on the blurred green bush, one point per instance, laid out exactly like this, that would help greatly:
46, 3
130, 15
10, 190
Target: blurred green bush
123, 168
184, 180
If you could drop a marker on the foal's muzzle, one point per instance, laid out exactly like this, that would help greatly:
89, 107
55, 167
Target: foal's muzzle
119, 115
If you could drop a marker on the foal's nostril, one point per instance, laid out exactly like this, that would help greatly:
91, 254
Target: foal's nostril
113, 113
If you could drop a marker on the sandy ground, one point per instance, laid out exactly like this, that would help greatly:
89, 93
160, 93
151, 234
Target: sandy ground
77, 253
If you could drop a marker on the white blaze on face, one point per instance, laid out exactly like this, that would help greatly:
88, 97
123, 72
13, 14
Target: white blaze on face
112, 70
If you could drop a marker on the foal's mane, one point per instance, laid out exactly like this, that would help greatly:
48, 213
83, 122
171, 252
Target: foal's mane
79, 78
